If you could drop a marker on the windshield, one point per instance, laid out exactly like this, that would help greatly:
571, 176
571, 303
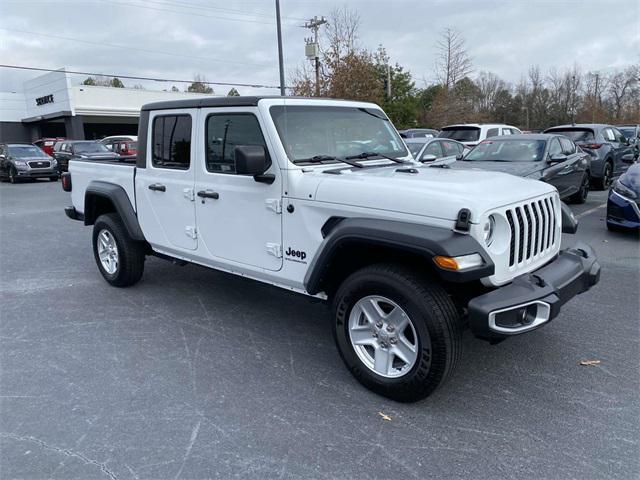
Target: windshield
415, 148
462, 134
508, 151
576, 135
25, 151
90, 147
309, 131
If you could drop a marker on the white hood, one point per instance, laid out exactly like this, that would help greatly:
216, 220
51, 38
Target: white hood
433, 192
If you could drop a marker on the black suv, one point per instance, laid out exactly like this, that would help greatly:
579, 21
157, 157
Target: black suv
24, 160
81, 149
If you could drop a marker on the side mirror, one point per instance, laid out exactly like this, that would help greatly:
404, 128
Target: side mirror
628, 158
557, 158
460, 156
253, 160
428, 158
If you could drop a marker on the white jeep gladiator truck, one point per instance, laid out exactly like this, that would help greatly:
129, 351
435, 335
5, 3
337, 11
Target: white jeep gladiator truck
321, 197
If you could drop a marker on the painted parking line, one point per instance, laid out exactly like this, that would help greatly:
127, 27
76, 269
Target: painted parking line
591, 210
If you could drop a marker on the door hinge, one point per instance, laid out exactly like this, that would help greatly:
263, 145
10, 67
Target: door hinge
189, 194
274, 204
274, 249
191, 232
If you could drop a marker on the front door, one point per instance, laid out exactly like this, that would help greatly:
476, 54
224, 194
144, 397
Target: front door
164, 189
239, 219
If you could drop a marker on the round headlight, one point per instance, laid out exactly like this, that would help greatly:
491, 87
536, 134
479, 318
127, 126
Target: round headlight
487, 230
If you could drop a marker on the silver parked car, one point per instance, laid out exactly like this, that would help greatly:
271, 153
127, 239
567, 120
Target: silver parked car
440, 150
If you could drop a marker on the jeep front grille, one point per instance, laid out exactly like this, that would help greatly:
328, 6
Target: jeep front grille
533, 230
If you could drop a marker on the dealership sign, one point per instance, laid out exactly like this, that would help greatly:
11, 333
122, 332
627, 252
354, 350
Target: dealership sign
44, 100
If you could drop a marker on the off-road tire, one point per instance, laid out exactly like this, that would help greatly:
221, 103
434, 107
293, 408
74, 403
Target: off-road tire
433, 314
131, 253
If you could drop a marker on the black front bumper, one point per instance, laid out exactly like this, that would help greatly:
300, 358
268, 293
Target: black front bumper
574, 271
37, 173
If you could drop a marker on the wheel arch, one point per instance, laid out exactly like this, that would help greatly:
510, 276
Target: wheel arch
104, 197
352, 243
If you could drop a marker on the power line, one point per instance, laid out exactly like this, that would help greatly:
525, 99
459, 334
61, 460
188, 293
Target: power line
182, 12
127, 47
221, 9
131, 77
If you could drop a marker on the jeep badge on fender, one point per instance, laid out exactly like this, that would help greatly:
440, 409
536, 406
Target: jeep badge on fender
378, 228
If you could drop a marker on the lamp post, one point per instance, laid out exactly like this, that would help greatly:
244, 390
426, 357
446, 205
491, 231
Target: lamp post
280, 58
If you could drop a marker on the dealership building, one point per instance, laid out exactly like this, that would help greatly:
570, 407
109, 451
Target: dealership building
50, 106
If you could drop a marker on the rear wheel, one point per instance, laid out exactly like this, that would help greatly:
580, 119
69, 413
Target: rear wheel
397, 331
605, 182
581, 195
119, 259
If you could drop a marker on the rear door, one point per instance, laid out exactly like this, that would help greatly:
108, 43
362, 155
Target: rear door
164, 189
239, 219
575, 165
622, 148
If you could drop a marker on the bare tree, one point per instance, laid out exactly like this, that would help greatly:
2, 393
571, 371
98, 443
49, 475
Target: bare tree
489, 87
621, 86
199, 85
453, 62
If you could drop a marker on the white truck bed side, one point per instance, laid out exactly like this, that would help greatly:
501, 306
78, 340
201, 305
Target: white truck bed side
84, 172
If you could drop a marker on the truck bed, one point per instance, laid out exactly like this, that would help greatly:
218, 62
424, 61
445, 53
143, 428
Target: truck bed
84, 172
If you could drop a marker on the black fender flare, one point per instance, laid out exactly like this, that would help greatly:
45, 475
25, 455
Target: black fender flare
424, 240
120, 200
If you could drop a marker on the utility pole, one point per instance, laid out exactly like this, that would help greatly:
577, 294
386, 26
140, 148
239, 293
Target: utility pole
573, 99
595, 100
312, 49
388, 81
280, 58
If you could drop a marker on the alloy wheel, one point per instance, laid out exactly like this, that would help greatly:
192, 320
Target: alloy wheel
383, 336
108, 251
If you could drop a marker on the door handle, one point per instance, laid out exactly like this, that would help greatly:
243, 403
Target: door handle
208, 194
156, 187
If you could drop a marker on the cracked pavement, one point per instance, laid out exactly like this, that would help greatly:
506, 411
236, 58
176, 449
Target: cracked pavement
197, 374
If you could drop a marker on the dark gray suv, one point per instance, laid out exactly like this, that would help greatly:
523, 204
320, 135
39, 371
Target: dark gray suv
606, 145
24, 160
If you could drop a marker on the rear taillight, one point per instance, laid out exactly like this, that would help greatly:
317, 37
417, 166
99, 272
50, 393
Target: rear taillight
66, 181
592, 146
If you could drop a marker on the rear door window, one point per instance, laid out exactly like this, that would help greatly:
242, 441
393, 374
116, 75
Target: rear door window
608, 135
506, 131
555, 148
433, 148
493, 132
171, 136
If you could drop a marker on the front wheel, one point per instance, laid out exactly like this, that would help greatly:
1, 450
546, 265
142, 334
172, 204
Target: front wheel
581, 195
13, 175
397, 331
119, 258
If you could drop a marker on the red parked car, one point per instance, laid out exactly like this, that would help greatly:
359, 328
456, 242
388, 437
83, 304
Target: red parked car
46, 144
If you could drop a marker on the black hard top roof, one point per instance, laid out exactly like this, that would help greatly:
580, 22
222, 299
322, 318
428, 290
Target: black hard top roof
242, 101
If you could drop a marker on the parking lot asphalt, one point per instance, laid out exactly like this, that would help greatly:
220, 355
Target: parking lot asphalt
197, 374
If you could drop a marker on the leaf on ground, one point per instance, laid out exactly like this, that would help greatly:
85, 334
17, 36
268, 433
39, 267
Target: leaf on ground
590, 362
385, 416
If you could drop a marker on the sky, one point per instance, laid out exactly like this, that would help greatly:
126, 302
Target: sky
235, 41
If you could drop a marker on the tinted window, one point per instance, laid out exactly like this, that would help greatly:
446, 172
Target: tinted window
515, 131
451, 148
568, 148
461, 134
172, 142
575, 134
433, 148
492, 132
608, 135
628, 132
224, 133
618, 136
508, 151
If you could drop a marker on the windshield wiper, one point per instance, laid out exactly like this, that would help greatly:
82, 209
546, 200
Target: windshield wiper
365, 155
327, 158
